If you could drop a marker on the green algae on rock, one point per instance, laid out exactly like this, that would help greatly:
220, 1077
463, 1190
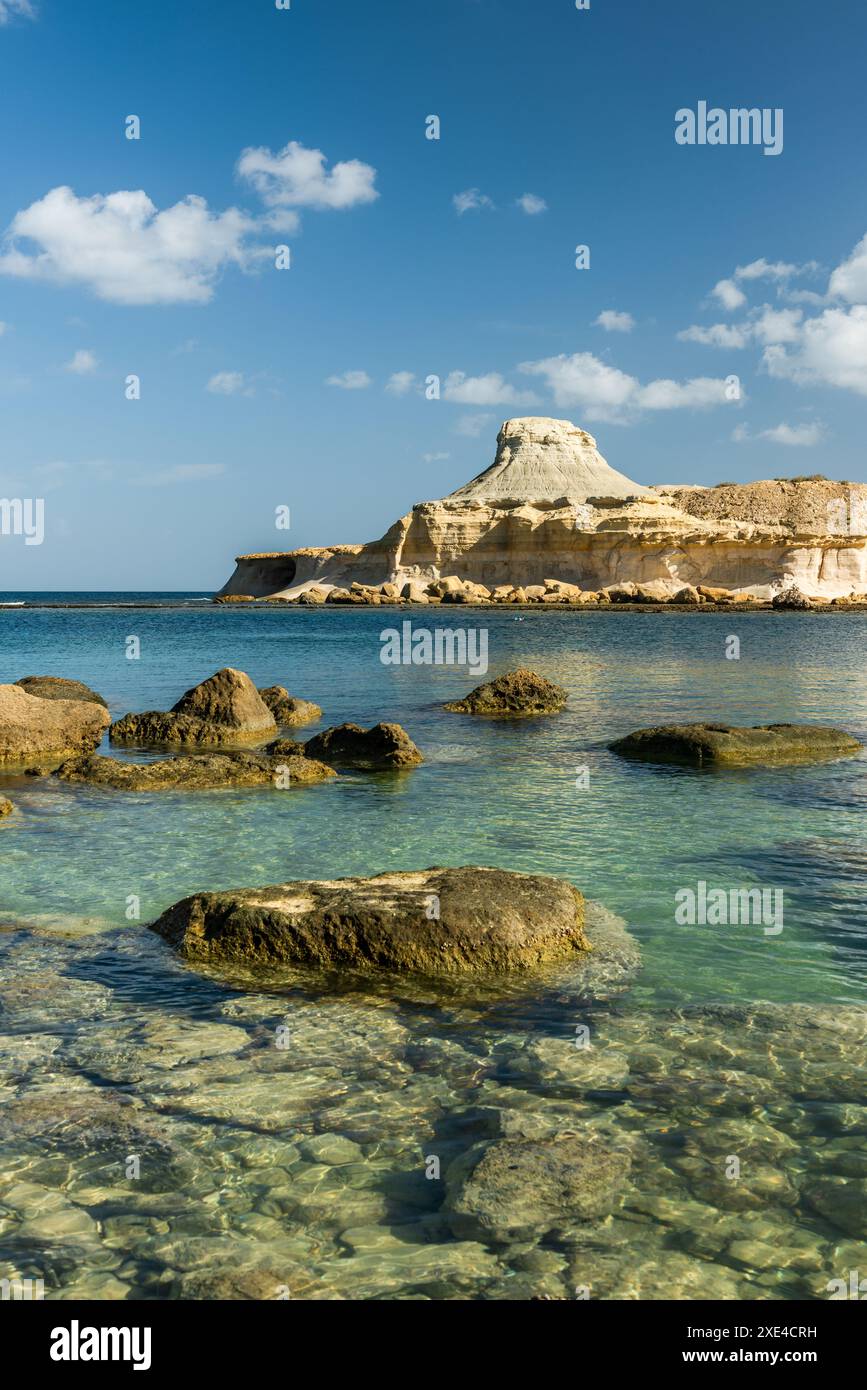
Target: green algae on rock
517, 694
436, 921
6, 807
202, 773
731, 745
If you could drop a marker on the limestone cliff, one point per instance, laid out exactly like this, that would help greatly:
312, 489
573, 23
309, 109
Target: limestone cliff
550, 507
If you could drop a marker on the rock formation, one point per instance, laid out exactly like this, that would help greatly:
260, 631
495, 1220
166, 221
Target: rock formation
55, 688
381, 747
550, 509
47, 731
6, 807
224, 709
197, 773
722, 744
517, 694
434, 921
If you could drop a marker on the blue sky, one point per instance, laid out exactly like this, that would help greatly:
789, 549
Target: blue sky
705, 261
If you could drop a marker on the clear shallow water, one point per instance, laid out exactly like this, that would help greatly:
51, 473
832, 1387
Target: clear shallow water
244, 1139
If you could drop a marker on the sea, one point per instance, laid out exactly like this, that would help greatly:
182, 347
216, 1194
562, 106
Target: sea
168, 1131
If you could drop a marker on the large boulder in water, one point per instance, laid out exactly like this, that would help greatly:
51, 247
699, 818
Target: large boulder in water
730, 745
226, 708
376, 749
512, 696
47, 731
56, 688
435, 922
196, 773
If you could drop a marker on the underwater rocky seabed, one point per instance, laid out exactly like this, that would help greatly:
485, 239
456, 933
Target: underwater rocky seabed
299, 1169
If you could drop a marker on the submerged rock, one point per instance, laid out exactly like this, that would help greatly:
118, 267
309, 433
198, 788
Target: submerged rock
47, 731
196, 773
520, 1189
348, 745
287, 709
226, 708
724, 744
434, 921
55, 688
6, 807
515, 694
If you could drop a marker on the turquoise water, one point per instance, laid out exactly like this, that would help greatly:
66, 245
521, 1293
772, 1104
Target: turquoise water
109, 1012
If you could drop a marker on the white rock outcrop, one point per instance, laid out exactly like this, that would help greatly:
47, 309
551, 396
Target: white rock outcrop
551, 508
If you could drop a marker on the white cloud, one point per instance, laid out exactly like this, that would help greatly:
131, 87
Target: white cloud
16, 9
849, 280
797, 436
471, 200
82, 362
471, 426
123, 249
728, 294
531, 204
399, 383
740, 434
604, 392
614, 322
766, 325
721, 335
181, 473
831, 348
350, 381
435, 458
491, 389
773, 270
227, 384
297, 177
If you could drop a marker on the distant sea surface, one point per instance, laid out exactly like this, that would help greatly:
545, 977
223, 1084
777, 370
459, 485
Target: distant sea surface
381, 1078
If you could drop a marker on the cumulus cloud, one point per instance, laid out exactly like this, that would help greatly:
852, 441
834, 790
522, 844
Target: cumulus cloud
765, 325
604, 392
350, 381
471, 200
831, 348
728, 294
614, 322
531, 204
82, 362
849, 280
491, 389
297, 177
123, 249
434, 458
228, 384
803, 436
399, 383
721, 335
16, 9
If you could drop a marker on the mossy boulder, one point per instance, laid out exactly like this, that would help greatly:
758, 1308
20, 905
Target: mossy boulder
190, 773
433, 922
224, 709
287, 709
47, 731
729, 745
376, 749
516, 695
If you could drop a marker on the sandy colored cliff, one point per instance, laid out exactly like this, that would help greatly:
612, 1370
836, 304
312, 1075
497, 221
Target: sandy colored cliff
550, 507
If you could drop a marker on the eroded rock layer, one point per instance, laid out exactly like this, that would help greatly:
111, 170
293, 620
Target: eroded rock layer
551, 508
